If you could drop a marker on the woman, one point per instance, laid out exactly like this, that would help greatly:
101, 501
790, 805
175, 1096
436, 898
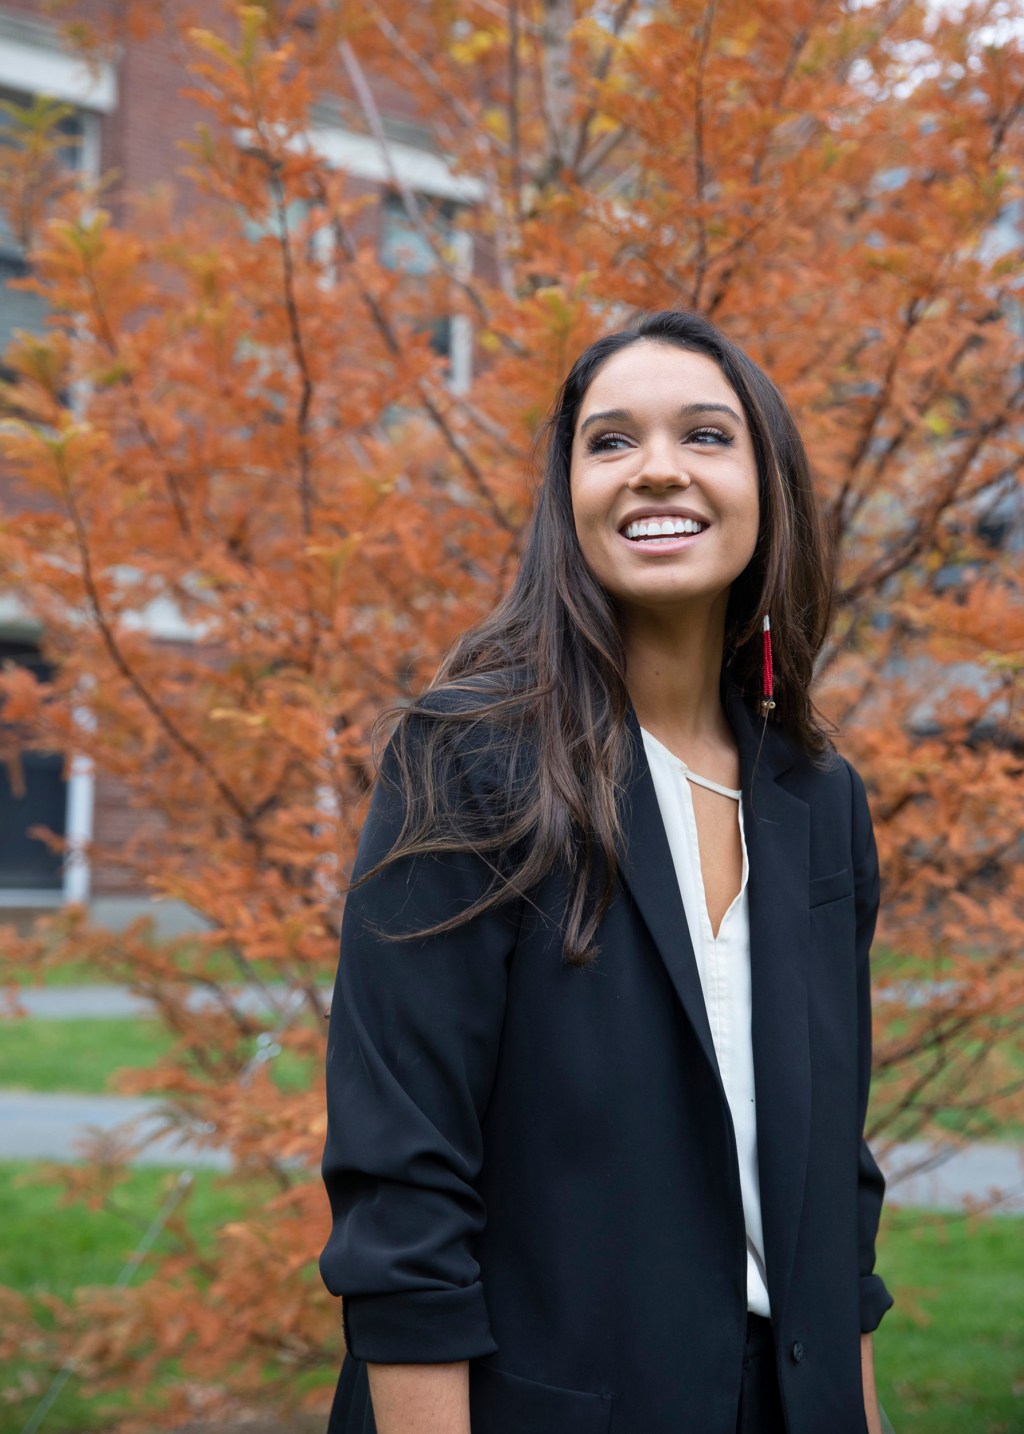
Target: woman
600, 1043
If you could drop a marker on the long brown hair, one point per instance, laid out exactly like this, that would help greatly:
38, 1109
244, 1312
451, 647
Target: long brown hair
537, 690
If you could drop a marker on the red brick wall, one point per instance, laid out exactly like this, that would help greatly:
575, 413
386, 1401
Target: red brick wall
153, 117
114, 822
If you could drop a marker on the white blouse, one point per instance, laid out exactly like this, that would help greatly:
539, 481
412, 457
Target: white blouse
723, 963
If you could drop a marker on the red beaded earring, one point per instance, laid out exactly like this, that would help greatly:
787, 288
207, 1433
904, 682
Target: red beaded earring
768, 671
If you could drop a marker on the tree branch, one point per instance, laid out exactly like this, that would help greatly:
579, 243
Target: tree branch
921, 531
169, 727
699, 158
126, 379
619, 19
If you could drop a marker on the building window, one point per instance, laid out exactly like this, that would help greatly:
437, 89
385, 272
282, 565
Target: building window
33, 793
19, 309
39, 78
405, 249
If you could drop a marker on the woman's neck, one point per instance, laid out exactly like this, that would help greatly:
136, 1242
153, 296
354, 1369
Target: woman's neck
673, 671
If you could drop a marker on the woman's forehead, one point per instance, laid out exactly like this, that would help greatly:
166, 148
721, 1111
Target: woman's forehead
649, 374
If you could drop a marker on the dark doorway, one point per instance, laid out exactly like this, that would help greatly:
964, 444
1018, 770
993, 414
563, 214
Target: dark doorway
39, 798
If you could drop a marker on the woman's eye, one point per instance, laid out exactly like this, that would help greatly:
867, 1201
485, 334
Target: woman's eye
708, 435
606, 442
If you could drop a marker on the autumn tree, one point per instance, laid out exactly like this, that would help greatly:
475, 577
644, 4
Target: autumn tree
244, 415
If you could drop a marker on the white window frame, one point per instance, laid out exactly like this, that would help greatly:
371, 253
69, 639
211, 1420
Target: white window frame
421, 170
33, 61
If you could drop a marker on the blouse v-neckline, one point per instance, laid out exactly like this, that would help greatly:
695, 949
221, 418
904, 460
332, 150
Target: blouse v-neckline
695, 896
691, 776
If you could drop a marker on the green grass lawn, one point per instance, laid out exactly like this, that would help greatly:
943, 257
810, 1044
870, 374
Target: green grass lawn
76, 1056
948, 1356
218, 965
77, 973
48, 1249
82, 1056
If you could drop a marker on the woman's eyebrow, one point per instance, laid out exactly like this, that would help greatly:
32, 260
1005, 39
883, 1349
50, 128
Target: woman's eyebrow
617, 415
688, 410
694, 410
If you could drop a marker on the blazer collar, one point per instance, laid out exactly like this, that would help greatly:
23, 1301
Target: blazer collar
777, 829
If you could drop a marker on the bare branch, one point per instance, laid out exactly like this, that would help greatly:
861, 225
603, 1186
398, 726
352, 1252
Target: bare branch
699, 158
796, 49
513, 104
306, 387
619, 20
600, 152
559, 18
920, 531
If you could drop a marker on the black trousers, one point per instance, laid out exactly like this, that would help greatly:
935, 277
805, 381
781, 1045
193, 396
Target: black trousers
760, 1409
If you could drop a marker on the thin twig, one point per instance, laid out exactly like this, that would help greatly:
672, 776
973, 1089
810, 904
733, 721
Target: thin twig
699, 157
513, 104
796, 49
431, 78
619, 19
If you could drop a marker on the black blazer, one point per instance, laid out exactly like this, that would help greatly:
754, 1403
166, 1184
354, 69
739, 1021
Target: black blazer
532, 1166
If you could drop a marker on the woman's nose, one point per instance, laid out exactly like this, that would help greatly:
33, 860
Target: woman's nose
662, 466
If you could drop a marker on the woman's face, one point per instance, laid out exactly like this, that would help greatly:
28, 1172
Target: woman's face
664, 480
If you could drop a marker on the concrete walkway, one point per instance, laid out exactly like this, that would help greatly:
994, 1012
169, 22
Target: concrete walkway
34, 1126
74, 1003
947, 1178
52, 1127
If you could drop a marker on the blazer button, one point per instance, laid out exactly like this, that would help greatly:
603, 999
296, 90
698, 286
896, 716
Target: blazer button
797, 1352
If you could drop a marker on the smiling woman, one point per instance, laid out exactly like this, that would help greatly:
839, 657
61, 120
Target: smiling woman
608, 930
665, 496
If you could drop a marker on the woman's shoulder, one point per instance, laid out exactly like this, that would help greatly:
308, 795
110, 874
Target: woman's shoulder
828, 777
481, 694
478, 713
472, 733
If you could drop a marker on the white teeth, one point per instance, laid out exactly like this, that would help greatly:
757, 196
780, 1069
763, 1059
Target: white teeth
663, 527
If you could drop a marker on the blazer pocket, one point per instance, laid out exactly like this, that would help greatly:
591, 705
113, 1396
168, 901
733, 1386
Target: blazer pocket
823, 889
502, 1403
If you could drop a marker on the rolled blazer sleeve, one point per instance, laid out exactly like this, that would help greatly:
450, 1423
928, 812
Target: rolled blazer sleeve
875, 1299
412, 1047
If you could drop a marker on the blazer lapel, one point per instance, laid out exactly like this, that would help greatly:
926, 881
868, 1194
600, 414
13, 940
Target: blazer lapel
647, 868
777, 828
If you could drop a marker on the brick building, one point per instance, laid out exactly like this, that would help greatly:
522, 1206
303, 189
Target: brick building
128, 117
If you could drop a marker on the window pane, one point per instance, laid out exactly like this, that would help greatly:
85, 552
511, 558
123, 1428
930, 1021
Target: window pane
37, 798
18, 310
